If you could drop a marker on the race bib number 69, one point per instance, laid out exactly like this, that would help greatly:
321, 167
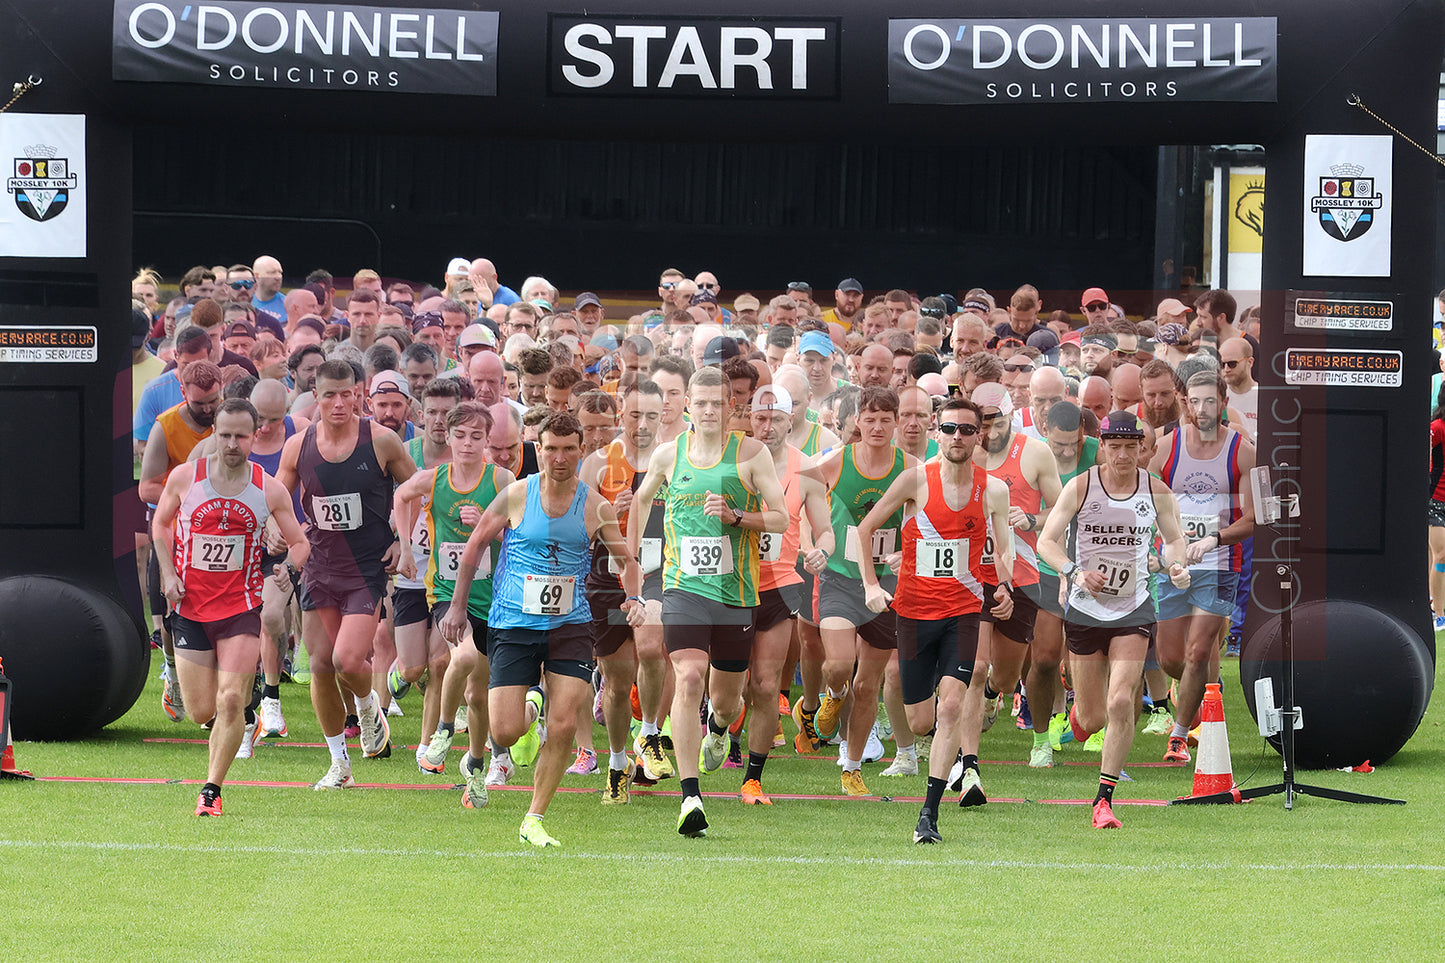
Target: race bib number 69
548, 594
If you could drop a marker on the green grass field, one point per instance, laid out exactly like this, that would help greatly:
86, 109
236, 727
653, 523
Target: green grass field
123, 871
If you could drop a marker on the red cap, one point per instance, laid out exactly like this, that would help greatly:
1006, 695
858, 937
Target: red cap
1092, 295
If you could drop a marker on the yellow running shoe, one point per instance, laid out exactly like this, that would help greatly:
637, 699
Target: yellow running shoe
853, 783
826, 721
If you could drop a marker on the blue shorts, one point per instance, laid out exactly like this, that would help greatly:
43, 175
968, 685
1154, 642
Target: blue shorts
1209, 591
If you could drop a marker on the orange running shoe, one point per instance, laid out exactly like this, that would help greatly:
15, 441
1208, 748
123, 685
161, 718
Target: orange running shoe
753, 795
1104, 817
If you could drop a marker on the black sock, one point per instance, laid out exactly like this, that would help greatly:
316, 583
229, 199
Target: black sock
715, 727
988, 691
448, 727
269, 691
690, 787
250, 716
970, 762
755, 765
210, 790
1106, 787
935, 793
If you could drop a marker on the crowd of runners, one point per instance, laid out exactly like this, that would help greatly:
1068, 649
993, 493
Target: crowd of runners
519, 516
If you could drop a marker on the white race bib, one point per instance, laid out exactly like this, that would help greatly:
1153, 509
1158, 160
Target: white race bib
707, 555
651, 552
770, 546
449, 561
337, 513
1199, 526
940, 557
217, 553
547, 594
1117, 576
986, 559
421, 536
884, 542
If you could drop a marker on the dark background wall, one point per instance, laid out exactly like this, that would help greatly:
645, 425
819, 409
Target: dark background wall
612, 214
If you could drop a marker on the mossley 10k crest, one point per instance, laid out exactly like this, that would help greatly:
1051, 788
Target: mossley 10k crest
41, 183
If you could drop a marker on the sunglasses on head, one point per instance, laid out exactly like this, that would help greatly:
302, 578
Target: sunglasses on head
953, 428
799, 286
242, 285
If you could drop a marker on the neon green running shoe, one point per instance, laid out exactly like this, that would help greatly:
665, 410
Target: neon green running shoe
524, 753
1059, 732
1095, 743
533, 832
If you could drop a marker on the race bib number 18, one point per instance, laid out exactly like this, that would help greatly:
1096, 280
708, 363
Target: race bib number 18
940, 557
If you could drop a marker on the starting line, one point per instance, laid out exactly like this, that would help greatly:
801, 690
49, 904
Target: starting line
576, 790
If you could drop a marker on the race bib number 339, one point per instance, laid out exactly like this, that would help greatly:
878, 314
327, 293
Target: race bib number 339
703, 555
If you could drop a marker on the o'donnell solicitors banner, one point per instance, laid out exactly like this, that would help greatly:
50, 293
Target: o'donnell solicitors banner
313, 46
1082, 60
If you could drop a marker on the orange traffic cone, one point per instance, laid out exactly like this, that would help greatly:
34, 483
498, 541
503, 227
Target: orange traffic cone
1213, 772
7, 752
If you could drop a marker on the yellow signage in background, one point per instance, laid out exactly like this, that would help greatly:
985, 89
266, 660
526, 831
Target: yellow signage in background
1246, 220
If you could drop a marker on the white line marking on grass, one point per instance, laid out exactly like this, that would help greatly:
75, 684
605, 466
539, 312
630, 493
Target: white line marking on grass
1011, 864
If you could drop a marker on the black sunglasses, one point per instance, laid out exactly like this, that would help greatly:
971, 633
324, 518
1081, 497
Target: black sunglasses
951, 428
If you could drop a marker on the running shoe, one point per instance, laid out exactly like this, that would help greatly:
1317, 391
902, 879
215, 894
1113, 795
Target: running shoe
171, 700
1095, 743
1440, 623
692, 821
597, 712
735, 756
1232, 646
1178, 750
714, 751
927, 829
955, 773
752, 794
737, 727
805, 743
904, 764
842, 753
1042, 756
1104, 817
873, 748
248, 742
1193, 737
884, 725
853, 783
640, 776
396, 683
156, 639
923, 745
651, 757
433, 758
273, 723
584, 765
375, 732
971, 788
474, 796
779, 740
460, 722
533, 832
990, 713
783, 707
1025, 717
337, 777
207, 805
619, 784
1079, 733
1160, 722
826, 720
393, 709
501, 769
1059, 731
352, 728
524, 752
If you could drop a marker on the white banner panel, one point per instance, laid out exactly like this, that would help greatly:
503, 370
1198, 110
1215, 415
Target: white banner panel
44, 211
1349, 194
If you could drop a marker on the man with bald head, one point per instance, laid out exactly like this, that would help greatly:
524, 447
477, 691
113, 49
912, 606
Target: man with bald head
488, 377
1127, 387
875, 366
273, 427
267, 296
1095, 395
297, 305
806, 435
702, 334
490, 291
1046, 389
1236, 365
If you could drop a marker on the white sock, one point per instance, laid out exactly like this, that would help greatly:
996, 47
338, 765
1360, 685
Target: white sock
1180, 731
337, 745
617, 760
650, 728
852, 765
364, 704
908, 750
836, 695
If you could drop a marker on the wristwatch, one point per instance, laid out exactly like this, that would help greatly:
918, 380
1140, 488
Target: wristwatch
1068, 573
737, 519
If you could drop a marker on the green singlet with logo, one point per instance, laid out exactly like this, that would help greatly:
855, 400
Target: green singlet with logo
704, 555
850, 501
449, 538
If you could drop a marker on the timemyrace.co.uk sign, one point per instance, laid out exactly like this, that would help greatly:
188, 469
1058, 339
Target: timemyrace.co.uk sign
1060, 60
306, 46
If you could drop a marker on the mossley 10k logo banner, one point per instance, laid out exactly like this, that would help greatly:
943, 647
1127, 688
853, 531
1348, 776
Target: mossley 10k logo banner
1082, 61
307, 46
43, 214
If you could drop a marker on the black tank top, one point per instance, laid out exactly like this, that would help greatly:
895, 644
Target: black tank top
349, 506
